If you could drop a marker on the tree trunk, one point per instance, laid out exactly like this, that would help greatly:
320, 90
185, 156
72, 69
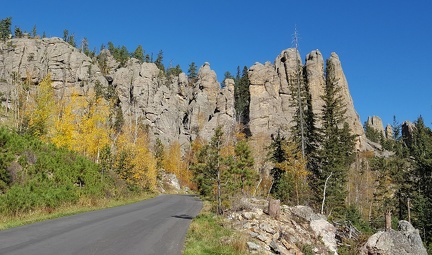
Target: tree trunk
387, 220
274, 208
324, 193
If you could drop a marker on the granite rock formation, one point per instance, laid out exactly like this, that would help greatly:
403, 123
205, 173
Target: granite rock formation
376, 123
271, 94
175, 108
405, 241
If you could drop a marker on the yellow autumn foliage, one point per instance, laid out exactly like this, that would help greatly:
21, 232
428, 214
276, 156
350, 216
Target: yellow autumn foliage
135, 162
41, 112
82, 125
173, 163
296, 166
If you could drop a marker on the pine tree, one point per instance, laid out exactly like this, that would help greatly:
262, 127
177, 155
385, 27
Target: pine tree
18, 32
421, 192
139, 54
34, 31
277, 156
242, 97
241, 173
192, 73
336, 150
372, 134
65, 35
208, 169
174, 71
5, 28
159, 61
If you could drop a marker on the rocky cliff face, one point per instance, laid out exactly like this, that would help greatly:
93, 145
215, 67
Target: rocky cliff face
271, 101
32, 59
174, 108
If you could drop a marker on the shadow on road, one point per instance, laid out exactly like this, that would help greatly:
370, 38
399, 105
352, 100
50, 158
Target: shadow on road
183, 216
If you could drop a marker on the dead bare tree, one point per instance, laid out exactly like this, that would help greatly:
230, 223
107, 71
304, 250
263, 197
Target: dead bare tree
324, 193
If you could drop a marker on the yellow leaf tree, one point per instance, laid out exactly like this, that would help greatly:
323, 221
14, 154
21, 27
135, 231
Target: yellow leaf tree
174, 163
41, 112
294, 171
134, 161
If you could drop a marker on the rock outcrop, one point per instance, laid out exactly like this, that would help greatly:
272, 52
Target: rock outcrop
296, 230
32, 59
175, 108
376, 123
408, 132
389, 132
405, 241
271, 92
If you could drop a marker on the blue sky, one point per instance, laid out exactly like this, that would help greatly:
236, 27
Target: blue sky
384, 46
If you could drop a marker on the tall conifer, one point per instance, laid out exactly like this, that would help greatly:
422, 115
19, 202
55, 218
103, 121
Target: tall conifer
336, 149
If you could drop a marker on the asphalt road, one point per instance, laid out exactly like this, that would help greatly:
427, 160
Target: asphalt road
155, 226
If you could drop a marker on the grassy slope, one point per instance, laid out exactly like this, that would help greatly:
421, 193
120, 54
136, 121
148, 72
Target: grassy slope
208, 235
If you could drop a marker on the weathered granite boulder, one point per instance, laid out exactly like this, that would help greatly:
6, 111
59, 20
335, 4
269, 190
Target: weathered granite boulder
389, 132
376, 123
405, 241
295, 228
408, 132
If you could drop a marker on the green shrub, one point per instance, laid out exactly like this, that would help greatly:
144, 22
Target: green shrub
45, 176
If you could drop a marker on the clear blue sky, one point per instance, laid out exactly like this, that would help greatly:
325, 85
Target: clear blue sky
384, 46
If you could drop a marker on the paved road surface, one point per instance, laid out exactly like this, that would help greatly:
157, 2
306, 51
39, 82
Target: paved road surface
155, 226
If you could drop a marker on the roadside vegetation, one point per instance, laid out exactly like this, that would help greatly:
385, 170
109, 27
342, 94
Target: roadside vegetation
208, 234
40, 181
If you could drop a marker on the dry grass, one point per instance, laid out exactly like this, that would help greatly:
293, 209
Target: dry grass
209, 235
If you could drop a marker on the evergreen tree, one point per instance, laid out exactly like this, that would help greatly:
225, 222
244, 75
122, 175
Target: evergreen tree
289, 172
34, 31
207, 170
65, 35
139, 54
421, 151
174, 71
71, 40
192, 72
372, 134
120, 53
228, 75
336, 150
18, 32
241, 175
5, 28
85, 46
277, 156
159, 61
242, 98
299, 97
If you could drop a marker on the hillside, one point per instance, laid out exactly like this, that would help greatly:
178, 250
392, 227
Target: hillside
36, 175
286, 129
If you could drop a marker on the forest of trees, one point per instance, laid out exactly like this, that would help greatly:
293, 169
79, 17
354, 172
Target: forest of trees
316, 165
